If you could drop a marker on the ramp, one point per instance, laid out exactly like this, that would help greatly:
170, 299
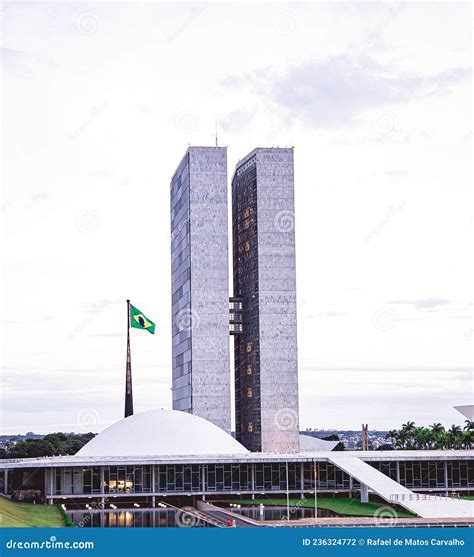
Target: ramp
223, 515
188, 516
425, 506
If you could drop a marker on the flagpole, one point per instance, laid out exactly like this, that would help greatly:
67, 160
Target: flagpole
128, 374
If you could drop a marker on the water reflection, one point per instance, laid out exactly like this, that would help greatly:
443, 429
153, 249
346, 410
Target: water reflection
129, 518
167, 518
280, 513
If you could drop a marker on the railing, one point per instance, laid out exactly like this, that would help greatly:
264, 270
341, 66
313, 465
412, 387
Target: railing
421, 497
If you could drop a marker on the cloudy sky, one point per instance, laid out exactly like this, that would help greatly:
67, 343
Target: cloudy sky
100, 101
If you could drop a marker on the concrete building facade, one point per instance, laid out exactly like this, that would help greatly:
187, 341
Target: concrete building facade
200, 286
165, 458
265, 353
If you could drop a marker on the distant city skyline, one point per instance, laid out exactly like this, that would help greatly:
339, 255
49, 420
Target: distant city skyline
101, 99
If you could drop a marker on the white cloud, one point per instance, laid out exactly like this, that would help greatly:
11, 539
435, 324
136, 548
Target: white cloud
333, 91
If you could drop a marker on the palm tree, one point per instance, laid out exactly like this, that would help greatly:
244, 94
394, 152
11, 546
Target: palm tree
469, 426
467, 437
438, 436
401, 439
428, 437
423, 437
406, 436
454, 436
437, 428
392, 435
441, 440
417, 436
435, 436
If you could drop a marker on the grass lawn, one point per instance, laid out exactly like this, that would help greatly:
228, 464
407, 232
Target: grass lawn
470, 497
341, 505
21, 515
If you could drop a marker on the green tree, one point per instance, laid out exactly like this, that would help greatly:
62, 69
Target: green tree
468, 425
401, 439
467, 437
434, 436
59, 441
409, 426
454, 437
437, 428
440, 440
423, 438
50, 445
407, 437
392, 435
40, 447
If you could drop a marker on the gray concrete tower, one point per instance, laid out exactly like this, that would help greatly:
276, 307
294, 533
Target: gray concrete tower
265, 352
200, 285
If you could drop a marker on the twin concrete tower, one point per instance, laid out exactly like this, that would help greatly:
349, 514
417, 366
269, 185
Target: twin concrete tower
261, 314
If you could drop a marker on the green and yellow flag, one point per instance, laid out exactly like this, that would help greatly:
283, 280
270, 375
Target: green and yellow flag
139, 321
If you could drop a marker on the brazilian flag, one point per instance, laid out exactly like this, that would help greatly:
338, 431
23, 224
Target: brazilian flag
139, 321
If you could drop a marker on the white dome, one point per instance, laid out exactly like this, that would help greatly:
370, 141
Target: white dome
160, 433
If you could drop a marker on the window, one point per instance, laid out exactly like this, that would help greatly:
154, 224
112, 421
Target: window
250, 427
249, 370
249, 347
247, 245
249, 392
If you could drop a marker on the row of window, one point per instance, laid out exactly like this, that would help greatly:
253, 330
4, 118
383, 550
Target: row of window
429, 474
208, 477
248, 477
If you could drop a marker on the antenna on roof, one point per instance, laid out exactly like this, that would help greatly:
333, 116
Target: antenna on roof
217, 142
